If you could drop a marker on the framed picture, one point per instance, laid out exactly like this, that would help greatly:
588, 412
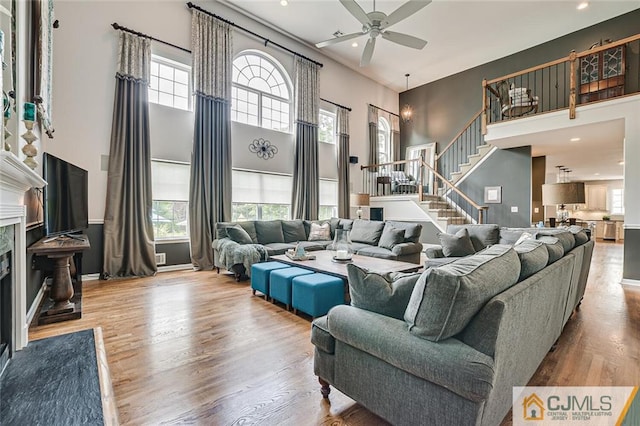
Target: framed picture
493, 194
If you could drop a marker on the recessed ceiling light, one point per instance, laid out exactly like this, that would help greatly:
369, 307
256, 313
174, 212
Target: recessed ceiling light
597, 174
284, 2
574, 140
354, 44
583, 5
621, 163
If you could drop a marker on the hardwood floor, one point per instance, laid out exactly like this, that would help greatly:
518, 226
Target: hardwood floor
197, 348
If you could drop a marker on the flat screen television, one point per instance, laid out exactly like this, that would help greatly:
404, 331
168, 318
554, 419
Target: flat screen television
66, 206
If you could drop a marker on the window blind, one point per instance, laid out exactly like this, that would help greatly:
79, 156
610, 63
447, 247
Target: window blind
261, 188
169, 181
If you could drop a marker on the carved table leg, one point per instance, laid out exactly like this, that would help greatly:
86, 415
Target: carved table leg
324, 387
61, 288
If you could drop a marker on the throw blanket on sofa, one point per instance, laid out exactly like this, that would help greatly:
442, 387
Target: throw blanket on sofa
232, 253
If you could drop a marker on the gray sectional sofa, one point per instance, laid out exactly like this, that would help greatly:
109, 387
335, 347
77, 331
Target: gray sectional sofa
386, 240
446, 346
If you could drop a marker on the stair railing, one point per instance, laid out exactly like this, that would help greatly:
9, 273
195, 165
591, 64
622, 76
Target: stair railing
604, 71
385, 179
463, 204
463, 145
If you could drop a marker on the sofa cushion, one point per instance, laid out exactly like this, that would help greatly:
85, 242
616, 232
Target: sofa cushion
482, 235
457, 245
385, 293
356, 247
533, 255
250, 227
579, 234
314, 245
366, 231
346, 224
293, 231
319, 232
412, 231
391, 236
320, 335
509, 236
334, 223
269, 231
379, 252
238, 234
275, 249
446, 298
438, 261
554, 247
565, 237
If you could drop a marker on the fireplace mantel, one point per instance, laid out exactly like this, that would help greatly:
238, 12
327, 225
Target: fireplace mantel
15, 179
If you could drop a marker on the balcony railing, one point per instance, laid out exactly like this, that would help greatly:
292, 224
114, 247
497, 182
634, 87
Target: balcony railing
603, 72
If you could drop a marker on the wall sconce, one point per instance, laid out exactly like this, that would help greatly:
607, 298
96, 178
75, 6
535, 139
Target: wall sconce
407, 111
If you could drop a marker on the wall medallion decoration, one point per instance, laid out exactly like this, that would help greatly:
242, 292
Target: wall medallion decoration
263, 148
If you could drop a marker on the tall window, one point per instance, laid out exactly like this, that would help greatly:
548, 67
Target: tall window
260, 196
384, 141
617, 201
261, 94
170, 189
328, 199
170, 83
327, 127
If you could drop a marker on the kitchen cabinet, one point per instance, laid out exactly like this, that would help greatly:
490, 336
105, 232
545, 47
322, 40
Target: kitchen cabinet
599, 229
596, 197
620, 231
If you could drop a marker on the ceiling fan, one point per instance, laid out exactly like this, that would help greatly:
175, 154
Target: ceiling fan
376, 23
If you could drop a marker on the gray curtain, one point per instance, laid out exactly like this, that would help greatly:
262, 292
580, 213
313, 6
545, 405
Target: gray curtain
343, 162
394, 121
128, 231
373, 135
305, 197
210, 183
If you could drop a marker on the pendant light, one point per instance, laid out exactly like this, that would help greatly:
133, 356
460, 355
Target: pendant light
407, 111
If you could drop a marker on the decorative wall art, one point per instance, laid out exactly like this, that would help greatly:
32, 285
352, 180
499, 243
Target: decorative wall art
263, 148
43, 63
493, 194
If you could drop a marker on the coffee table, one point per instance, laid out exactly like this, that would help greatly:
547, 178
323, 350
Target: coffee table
324, 263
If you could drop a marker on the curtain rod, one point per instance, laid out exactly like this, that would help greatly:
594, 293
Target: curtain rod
117, 26
382, 109
333, 103
266, 40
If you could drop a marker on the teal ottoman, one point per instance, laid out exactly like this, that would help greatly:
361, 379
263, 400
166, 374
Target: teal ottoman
316, 294
280, 283
260, 275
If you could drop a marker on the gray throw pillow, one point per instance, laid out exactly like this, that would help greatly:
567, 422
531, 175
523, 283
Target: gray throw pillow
293, 231
445, 299
366, 231
387, 294
239, 235
554, 247
390, 237
482, 235
269, 231
457, 245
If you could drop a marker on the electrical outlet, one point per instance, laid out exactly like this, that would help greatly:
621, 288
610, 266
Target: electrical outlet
514, 209
536, 210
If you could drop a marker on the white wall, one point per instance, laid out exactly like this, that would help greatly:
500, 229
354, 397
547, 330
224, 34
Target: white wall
84, 64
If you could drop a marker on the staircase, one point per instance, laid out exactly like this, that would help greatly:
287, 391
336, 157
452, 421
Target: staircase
441, 212
483, 151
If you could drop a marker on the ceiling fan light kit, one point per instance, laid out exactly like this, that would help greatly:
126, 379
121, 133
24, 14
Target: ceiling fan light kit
375, 24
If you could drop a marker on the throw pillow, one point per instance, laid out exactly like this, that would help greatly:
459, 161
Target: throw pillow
457, 245
366, 231
525, 236
533, 255
554, 247
390, 237
320, 232
269, 231
293, 231
239, 235
387, 294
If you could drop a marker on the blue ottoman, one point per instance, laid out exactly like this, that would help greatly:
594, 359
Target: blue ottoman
260, 275
280, 283
316, 294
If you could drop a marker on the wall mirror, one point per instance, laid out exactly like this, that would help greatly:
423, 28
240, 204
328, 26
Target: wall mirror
422, 175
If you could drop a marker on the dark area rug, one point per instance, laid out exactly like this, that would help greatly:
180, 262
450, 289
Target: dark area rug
53, 381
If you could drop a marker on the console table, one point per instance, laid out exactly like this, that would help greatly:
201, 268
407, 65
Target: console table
61, 302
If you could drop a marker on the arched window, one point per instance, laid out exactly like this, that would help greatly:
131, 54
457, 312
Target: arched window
261, 92
384, 141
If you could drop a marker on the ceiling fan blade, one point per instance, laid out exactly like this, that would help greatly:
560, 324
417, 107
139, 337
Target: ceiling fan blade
404, 39
338, 39
404, 11
368, 52
357, 12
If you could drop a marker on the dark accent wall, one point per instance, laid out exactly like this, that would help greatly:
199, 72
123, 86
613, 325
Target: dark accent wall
631, 266
177, 253
538, 167
35, 277
443, 107
510, 169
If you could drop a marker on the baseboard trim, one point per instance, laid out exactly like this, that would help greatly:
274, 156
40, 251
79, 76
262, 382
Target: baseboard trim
33, 309
170, 268
630, 282
90, 277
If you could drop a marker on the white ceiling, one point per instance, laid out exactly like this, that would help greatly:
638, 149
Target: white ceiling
595, 156
461, 34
